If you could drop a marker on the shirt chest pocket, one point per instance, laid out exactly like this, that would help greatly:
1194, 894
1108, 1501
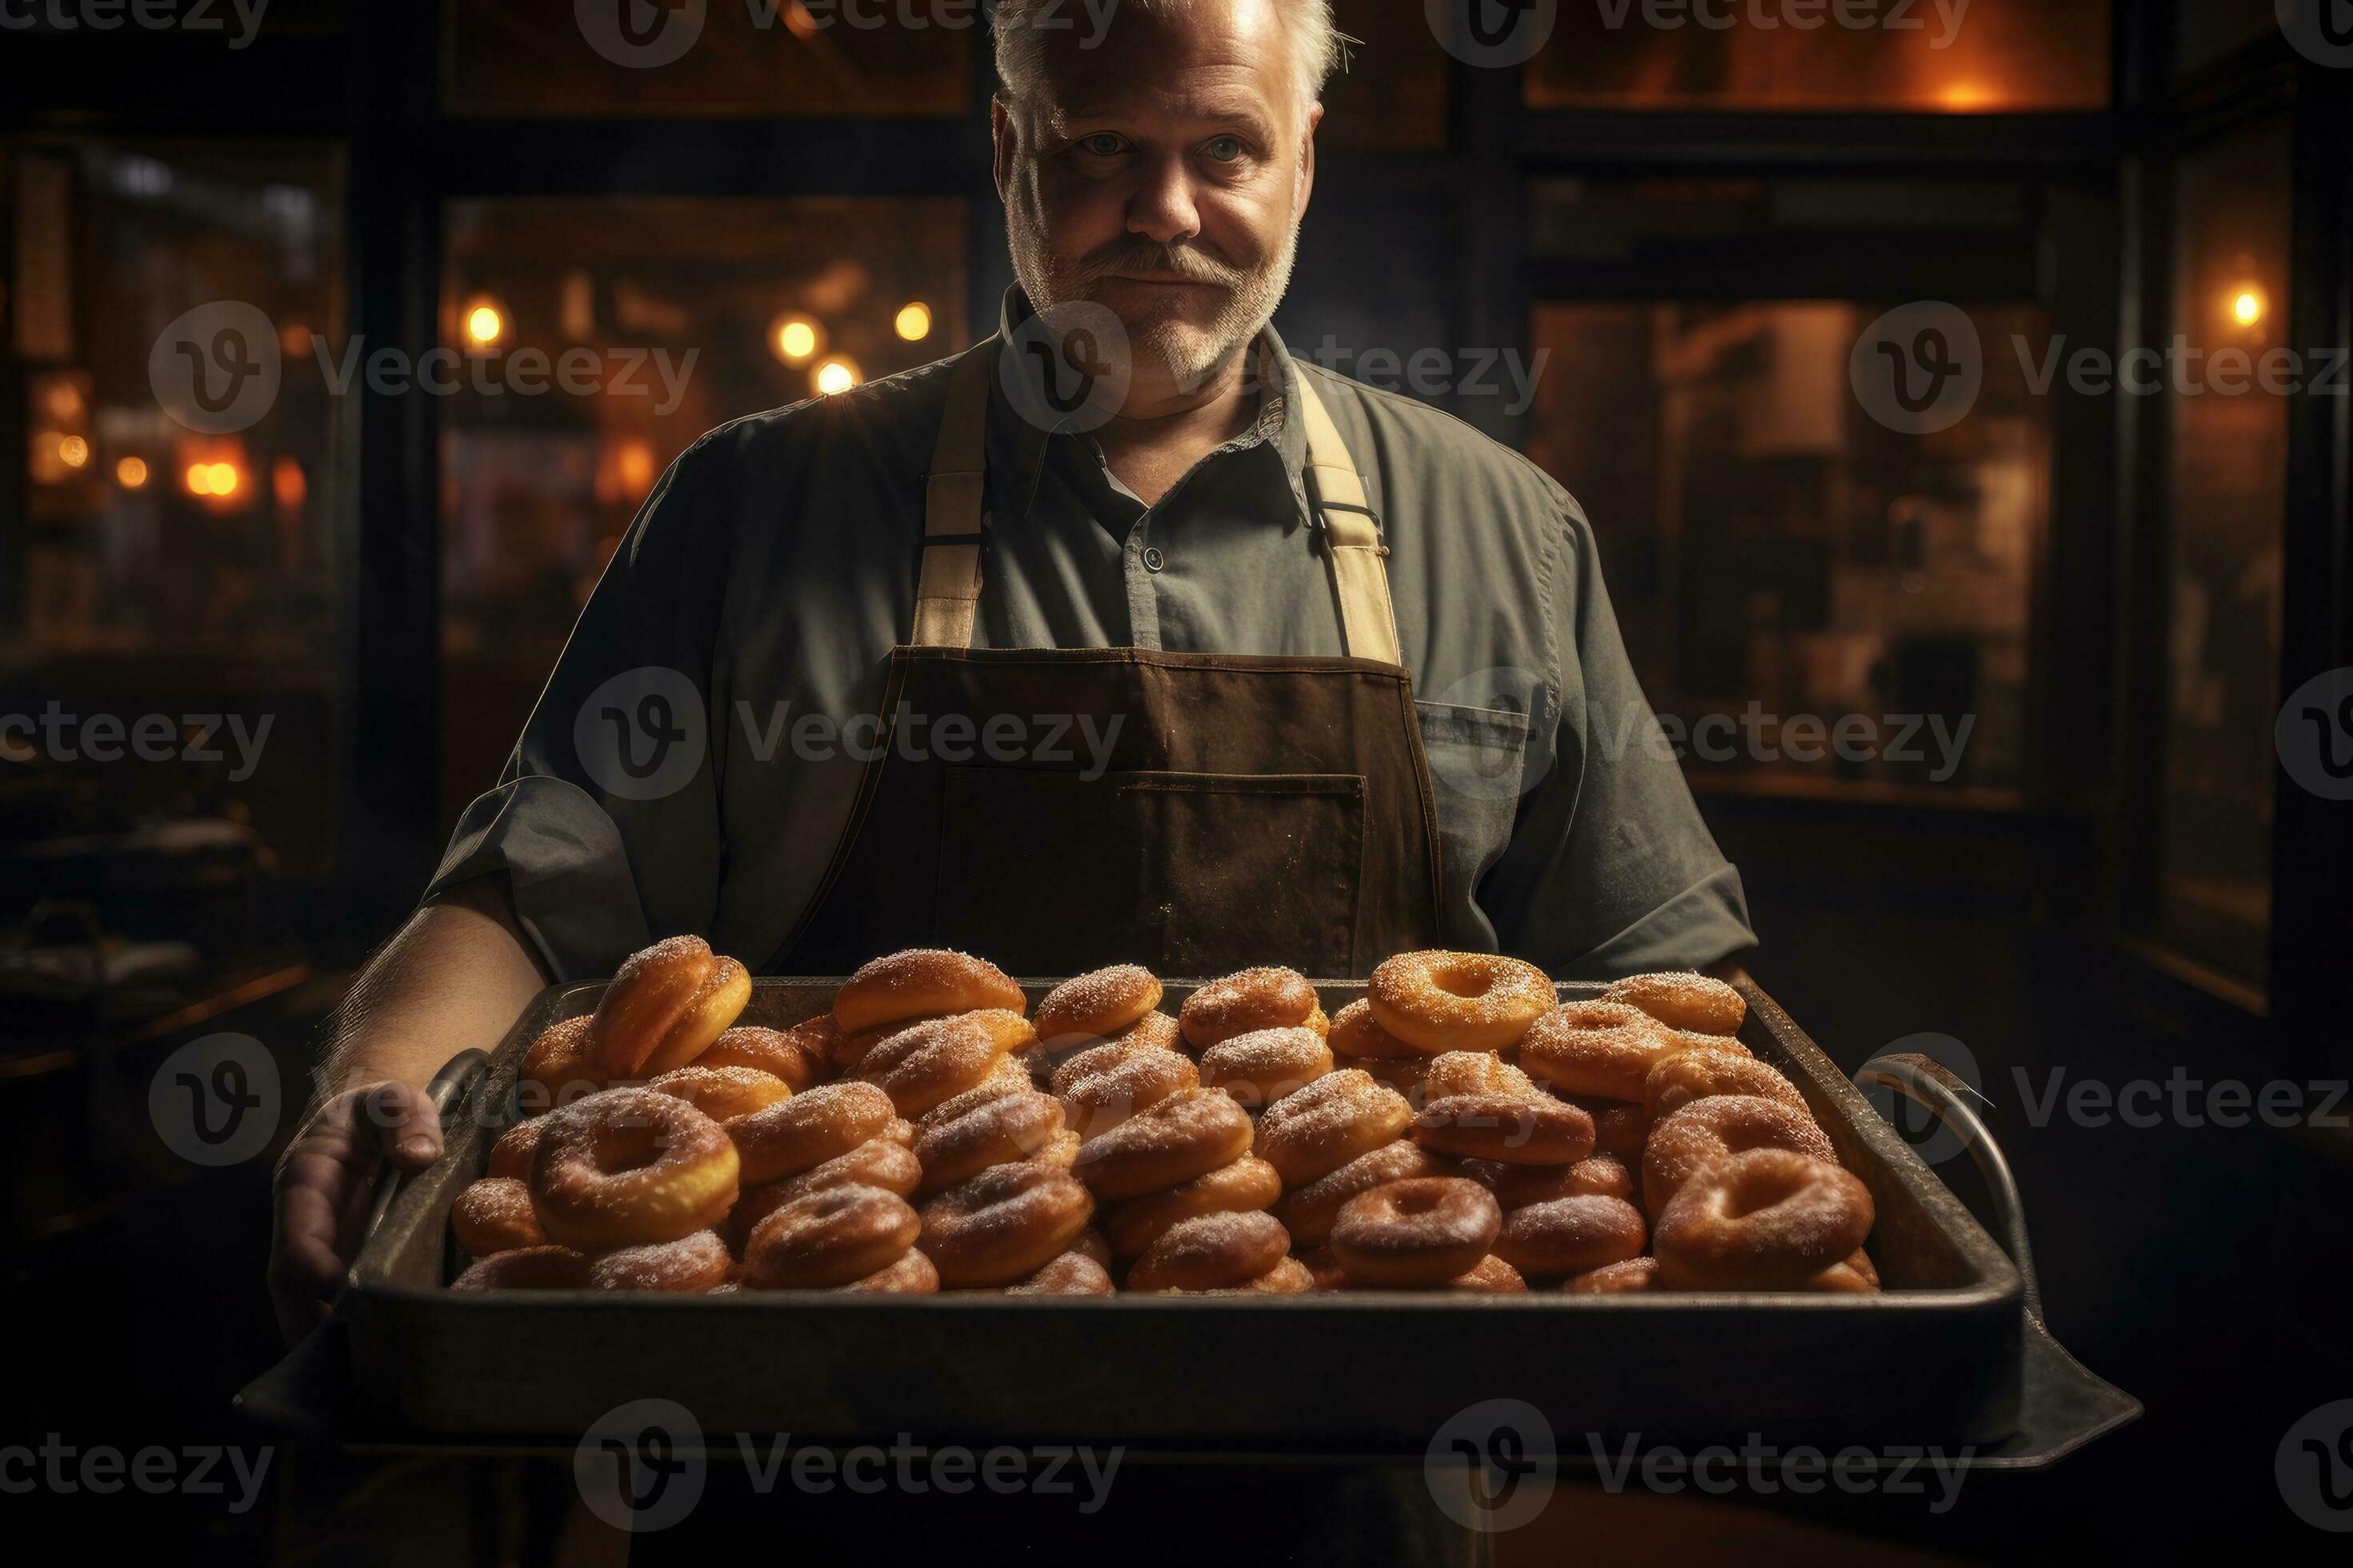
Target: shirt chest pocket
1478, 761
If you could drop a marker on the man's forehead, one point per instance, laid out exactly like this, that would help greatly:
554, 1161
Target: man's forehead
1205, 59
1225, 91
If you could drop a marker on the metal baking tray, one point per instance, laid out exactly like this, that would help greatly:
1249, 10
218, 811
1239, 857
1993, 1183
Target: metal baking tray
1944, 1356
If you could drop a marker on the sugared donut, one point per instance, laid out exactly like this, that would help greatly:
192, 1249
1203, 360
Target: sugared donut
913, 1275
511, 1155
1440, 1001
1266, 998
800, 1055
1604, 1048
923, 983
1615, 1278
691, 1265
1332, 1121
1309, 1212
1211, 1252
1621, 1129
1401, 1074
922, 1066
1491, 1276
665, 1007
1694, 1003
722, 1094
1133, 1224
1409, 1233
877, 1162
1707, 1130
494, 1216
1103, 1087
1517, 1186
1003, 1225
1323, 1270
1152, 1029
1571, 1235
629, 1167
1188, 1134
1676, 1080
1096, 1006
1356, 1034
1068, 1274
557, 1070
1478, 1107
528, 1268
824, 1123
1262, 1066
1762, 1219
1854, 1277
828, 1239
996, 1132
1289, 1277
996, 1086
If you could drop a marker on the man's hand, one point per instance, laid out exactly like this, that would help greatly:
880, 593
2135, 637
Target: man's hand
324, 1186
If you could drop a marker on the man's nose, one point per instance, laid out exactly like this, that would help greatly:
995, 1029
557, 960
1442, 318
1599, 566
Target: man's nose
1162, 207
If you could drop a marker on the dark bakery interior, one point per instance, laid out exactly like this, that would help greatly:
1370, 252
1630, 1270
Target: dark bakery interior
2025, 727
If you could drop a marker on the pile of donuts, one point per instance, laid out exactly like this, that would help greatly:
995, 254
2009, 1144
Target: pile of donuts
1459, 1128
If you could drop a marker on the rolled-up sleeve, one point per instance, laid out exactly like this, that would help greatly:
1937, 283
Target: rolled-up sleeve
1610, 870
605, 822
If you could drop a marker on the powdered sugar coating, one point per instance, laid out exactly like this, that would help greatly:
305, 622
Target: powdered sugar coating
1187, 1134
1096, 1005
1309, 1212
1570, 1235
1264, 1065
1603, 1048
1682, 1000
995, 1132
1066, 1274
1705, 1131
1438, 1001
1004, 1224
1328, 1124
1674, 1081
494, 1216
1761, 1219
792, 1135
1420, 1232
828, 1239
692, 1264
1269, 997
923, 983
1211, 1252
1104, 1087
1133, 1224
1356, 1033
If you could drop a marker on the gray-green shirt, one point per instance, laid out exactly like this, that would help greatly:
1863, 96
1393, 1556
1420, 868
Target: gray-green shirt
691, 764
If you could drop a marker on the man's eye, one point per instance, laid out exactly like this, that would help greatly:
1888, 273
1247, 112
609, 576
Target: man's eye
1103, 143
1224, 150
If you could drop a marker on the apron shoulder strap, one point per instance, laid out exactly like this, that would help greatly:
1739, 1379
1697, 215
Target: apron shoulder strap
1351, 533
948, 593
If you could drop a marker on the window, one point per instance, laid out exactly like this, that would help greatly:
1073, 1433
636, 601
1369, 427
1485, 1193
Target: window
1392, 95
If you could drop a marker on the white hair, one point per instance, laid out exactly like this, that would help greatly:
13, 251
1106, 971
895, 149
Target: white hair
1023, 27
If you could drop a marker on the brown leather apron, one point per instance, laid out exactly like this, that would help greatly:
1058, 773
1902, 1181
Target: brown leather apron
1192, 813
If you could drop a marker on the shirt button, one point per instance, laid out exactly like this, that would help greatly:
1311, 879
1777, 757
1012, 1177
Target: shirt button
1153, 560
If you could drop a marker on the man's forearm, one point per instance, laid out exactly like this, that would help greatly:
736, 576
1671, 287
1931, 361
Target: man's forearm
457, 975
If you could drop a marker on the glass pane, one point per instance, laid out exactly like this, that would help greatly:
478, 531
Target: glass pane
767, 58
1393, 93
2206, 30
168, 571
1994, 56
2227, 489
677, 316
1815, 602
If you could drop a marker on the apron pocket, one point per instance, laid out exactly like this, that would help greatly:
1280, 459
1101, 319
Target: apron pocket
1477, 760
1192, 873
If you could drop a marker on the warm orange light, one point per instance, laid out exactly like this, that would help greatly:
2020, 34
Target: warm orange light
132, 473
915, 322
295, 339
485, 324
289, 483
635, 465
2247, 306
219, 480
837, 374
64, 399
1965, 96
73, 451
796, 339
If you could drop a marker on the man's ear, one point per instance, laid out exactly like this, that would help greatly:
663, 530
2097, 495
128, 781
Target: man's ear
1001, 139
1306, 182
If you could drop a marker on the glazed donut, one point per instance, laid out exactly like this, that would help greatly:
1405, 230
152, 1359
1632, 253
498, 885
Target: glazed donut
1571, 1235
1477, 1106
1707, 1130
692, 1264
1763, 1218
1517, 1186
913, 1275
1332, 1121
1604, 1048
1003, 1225
996, 1132
1211, 1252
557, 1070
1188, 1134
1676, 1080
1491, 1276
1439, 1002
792, 1135
1103, 1087
511, 1155
877, 1162
1421, 1232
1068, 1274
799, 1056
528, 1268
1262, 1066
494, 1216
1132, 1225
828, 1239
920, 1066
1096, 1006
1308, 1213
665, 1007
1680, 1000
1615, 1278
629, 1167
1267, 998
722, 1094
1356, 1033
923, 983
1854, 1277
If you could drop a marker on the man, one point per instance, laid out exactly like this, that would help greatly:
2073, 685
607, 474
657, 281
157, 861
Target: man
1097, 674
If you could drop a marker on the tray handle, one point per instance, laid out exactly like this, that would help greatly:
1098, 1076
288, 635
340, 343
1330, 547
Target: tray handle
1927, 1083
448, 1090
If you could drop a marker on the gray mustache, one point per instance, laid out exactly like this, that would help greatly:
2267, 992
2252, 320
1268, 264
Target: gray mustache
1163, 260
